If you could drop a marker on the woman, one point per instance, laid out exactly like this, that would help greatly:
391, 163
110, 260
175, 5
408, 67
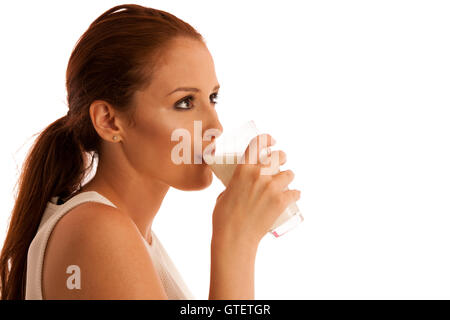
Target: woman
126, 88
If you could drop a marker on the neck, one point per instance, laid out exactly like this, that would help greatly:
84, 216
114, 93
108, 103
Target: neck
137, 197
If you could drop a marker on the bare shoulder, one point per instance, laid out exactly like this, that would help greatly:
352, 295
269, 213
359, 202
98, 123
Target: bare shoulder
95, 251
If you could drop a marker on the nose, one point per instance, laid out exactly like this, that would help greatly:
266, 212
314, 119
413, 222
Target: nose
219, 127
214, 129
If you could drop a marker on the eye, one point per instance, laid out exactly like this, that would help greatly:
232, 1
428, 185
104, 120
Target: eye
216, 96
184, 102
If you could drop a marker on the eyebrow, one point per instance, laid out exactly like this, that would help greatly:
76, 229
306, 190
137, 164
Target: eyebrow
190, 89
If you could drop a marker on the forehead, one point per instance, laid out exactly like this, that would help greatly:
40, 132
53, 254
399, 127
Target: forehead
184, 62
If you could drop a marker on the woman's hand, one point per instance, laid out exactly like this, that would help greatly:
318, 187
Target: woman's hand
248, 207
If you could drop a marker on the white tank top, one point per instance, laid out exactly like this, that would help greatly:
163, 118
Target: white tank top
173, 283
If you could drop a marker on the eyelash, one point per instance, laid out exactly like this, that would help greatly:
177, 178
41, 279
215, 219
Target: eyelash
191, 98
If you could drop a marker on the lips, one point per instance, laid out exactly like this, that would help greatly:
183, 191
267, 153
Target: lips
198, 158
212, 152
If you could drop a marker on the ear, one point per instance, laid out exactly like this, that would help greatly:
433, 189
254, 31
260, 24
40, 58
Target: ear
106, 121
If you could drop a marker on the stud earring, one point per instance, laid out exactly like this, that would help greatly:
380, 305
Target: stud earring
115, 138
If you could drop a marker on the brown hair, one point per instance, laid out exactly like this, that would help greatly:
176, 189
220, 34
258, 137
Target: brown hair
115, 56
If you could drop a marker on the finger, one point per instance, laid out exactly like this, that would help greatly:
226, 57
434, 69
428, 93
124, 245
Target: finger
220, 195
283, 178
278, 156
291, 196
256, 145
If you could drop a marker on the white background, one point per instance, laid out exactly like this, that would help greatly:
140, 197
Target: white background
355, 92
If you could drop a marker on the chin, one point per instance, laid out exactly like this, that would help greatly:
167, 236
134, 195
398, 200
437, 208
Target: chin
195, 179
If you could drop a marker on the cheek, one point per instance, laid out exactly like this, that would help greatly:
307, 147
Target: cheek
150, 151
148, 147
184, 176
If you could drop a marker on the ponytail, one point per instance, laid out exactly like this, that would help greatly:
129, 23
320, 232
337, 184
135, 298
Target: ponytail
54, 166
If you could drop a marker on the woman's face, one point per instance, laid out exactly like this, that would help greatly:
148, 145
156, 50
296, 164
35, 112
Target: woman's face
160, 110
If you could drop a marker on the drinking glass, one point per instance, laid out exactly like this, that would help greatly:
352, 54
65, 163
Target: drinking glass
229, 151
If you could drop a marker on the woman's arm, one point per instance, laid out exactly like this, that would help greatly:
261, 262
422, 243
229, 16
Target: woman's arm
243, 214
232, 269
